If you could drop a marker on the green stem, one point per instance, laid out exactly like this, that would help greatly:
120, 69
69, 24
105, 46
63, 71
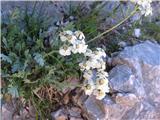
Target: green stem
38, 111
50, 53
34, 8
112, 28
57, 61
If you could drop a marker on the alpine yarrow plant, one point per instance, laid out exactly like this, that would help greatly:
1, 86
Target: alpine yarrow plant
32, 58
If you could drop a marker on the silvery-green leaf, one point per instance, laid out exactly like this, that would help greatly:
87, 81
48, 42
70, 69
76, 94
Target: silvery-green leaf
13, 90
5, 58
5, 42
17, 66
39, 59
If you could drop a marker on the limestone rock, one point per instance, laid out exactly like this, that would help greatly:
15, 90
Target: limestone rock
94, 108
59, 115
135, 84
128, 99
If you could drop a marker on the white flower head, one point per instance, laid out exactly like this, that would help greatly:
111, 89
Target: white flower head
146, 10
144, 6
99, 53
101, 65
137, 32
88, 88
95, 63
99, 93
101, 81
104, 88
102, 74
65, 34
87, 75
143, 2
88, 53
71, 39
79, 35
65, 50
68, 36
79, 47
85, 65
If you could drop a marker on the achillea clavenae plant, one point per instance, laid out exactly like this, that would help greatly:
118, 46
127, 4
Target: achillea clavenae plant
93, 65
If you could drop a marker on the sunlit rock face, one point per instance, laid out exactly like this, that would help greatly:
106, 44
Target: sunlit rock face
135, 86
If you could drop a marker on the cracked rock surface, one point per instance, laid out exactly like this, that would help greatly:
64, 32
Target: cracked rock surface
135, 86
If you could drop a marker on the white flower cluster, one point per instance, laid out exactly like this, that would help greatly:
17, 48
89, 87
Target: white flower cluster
73, 42
96, 79
144, 6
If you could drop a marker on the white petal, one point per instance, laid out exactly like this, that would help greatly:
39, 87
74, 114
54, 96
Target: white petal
88, 88
100, 94
65, 50
88, 75
79, 35
69, 32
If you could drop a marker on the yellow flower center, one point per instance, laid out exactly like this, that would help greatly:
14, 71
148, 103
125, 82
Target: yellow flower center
78, 33
100, 92
88, 87
84, 64
78, 46
101, 81
69, 37
96, 52
65, 48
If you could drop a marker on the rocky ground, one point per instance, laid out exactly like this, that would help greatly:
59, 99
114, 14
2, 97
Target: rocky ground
135, 86
134, 82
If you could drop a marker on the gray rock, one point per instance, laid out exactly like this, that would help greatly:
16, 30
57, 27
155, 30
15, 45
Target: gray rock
63, 113
59, 114
94, 108
135, 84
145, 53
12, 111
144, 62
127, 99
114, 112
121, 79
122, 44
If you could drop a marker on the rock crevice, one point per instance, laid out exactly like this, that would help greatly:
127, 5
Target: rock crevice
135, 84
